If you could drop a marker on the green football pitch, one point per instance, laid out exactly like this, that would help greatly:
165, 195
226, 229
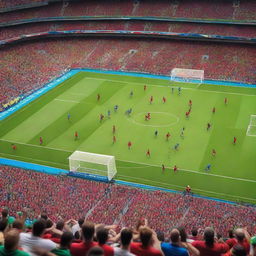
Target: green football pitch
233, 170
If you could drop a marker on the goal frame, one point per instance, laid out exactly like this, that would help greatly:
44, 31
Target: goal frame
87, 157
187, 75
251, 124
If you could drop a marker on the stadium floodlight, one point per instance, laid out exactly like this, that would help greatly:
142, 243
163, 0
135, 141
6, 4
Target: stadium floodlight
251, 130
187, 75
93, 164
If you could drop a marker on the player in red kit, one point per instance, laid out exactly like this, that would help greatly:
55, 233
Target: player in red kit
167, 135
163, 168
213, 110
98, 97
234, 141
14, 147
226, 101
41, 140
187, 114
76, 135
101, 117
145, 88
214, 152
151, 99
175, 168
190, 103
129, 145
114, 139
164, 99
114, 129
148, 153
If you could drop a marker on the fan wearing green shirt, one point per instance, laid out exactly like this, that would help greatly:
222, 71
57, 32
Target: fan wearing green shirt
65, 242
11, 242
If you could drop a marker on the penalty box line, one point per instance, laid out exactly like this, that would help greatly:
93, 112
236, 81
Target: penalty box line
191, 171
184, 88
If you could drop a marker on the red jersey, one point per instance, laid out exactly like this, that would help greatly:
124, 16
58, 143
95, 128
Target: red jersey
148, 153
213, 110
151, 98
108, 250
175, 168
76, 134
233, 241
234, 139
114, 139
81, 249
14, 147
190, 102
129, 144
164, 99
139, 250
216, 250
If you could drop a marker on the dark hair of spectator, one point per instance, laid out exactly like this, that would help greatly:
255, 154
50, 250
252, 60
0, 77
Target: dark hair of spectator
44, 216
81, 222
102, 235
11, 240
238, 250
3, 225
231, 233
183, 234
126, 236
175, 236
160, 236
48, 223
66, 239
145, 236
194, 232
60, 225
4, 213
88, 230
95, 251
39, 227
18, 224
209, 237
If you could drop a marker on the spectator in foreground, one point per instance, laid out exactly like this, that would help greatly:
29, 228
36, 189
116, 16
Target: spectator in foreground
102, 238
31, 241
11, 243
237, 250
65, 242
145, 248
3, 226
243, 238
95, 251
173, 248
124, 250
209, 247
81, 249
253, 246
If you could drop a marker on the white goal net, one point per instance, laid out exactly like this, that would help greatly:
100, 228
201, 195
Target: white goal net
187, 75
94, 164
251, 130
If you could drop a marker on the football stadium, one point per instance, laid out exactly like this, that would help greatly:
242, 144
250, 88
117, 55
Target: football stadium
128, 127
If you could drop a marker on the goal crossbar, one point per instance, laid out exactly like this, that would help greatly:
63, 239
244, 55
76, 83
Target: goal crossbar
80, 158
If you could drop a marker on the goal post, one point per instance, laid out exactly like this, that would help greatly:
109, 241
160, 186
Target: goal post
251, 130
187, 75
93, 164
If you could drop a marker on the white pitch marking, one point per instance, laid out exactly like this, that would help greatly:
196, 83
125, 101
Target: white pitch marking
192, 171
38, 146
68, 100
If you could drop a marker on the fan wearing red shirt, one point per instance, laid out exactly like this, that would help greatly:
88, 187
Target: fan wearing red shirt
209, 247
81, 249
102, 237
242, 237
237, 250
145, 248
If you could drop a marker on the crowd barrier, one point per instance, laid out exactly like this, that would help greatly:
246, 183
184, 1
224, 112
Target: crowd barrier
135, 34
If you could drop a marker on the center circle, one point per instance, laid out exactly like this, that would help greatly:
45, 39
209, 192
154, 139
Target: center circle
157, 119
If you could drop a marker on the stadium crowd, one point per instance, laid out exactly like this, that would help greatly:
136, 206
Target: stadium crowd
233, 10
27, 67
53, 215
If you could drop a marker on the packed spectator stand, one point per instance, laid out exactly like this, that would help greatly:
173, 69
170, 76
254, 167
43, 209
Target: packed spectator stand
62, 198
28, 66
